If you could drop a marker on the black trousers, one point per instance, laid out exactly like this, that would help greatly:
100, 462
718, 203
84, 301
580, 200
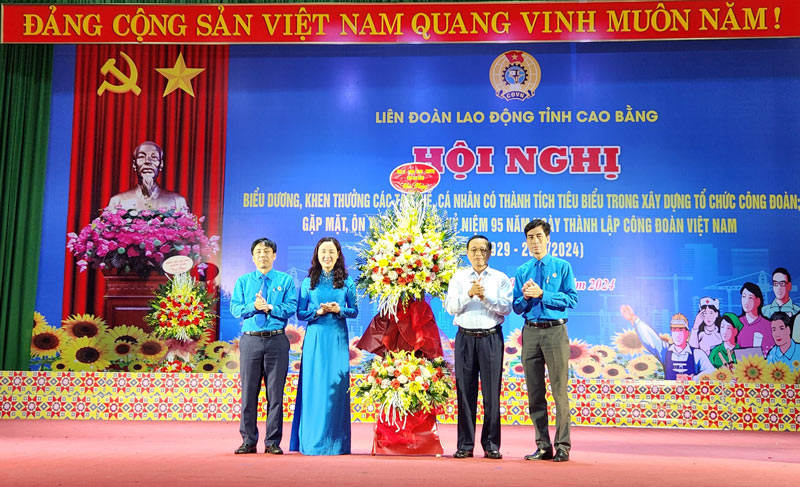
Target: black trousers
478, 357
267, 359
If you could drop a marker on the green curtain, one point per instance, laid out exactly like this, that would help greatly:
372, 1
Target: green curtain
24, 120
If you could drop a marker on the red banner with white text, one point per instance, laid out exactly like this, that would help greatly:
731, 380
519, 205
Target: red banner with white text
398, 23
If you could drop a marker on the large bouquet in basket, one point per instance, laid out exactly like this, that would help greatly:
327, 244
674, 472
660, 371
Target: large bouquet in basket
409, 251
401, 384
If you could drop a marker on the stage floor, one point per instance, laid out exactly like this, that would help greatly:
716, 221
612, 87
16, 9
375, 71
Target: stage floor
67, 453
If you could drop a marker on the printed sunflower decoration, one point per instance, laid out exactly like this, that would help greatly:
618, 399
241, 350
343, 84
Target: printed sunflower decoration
138, 366
751, 369
578, 350
230, 363
644, 366
217, 350
207, 366
59, 366
295, 335
778, 373
356, 355
588, 369
123, 342
294, 367
86, 354
613, 371
604, 353
38, 320
46, 341
794, 378
151, 350
84, 325
513, 345
628, 342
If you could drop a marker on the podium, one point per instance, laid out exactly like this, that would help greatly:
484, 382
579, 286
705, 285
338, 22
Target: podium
127, 299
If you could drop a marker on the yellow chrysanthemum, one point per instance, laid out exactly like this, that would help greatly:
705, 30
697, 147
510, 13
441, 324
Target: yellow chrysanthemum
59, 366
84, 325
643, 365
138, 366
86, 353
722, 374
46, 341
295, 366
604, 352
207, 366
628, 342
589, 369
217, 350
578, 350
613, 371
209, 335
751, 369
151, 350
38, 320
295, 335
778, 373
795, 364
794, 378
123, 341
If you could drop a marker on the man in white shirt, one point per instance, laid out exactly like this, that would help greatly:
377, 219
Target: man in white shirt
479, 298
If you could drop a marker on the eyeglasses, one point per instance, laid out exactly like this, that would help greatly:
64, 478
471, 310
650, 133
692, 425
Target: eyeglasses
779, 283
478, 251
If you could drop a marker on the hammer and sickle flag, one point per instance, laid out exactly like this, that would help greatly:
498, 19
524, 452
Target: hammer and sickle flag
128, 81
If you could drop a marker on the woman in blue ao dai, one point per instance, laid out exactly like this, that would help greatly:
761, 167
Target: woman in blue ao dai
321, 424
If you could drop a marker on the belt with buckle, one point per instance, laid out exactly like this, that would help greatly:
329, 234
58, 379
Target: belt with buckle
271, 333
545, 323
480, 333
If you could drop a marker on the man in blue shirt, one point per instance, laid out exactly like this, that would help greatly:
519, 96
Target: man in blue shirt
544, 288
264, 299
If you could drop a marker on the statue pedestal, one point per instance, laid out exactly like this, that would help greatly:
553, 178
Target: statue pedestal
127, 299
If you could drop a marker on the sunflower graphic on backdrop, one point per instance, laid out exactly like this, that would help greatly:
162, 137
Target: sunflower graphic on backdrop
38, 320
123, 341
217, 350
604, 352
138, 366
578, 350
86, 354
643, 366
356, 355
46, 341
778, 373
84, 325
295, 336
628, 343
295, 366
230, 363
206, 366
589, 369
151, 350
614, 371
751, 369
722, 374
59, 366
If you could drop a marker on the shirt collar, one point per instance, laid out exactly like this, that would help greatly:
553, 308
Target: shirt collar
545, 260
473, 272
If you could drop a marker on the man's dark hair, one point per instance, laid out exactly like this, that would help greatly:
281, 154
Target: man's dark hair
480, 236
783, 316
538, 222
269, 243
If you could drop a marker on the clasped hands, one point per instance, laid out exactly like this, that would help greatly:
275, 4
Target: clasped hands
261, 303
531, 290
332, 307
477, 289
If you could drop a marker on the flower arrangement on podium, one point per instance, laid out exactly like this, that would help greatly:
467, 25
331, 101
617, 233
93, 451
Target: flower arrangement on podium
132, 241
182, 312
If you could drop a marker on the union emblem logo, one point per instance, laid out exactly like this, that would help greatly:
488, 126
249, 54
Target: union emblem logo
515, 75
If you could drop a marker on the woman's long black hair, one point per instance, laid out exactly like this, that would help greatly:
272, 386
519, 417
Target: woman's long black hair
339, 269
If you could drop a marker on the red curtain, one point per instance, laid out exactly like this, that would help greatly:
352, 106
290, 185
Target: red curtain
106, 128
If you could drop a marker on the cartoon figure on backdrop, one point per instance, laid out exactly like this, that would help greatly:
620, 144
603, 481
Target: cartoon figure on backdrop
680, 361
785, 349
723, 354
756, 331
148, 161
781, 286
705, 332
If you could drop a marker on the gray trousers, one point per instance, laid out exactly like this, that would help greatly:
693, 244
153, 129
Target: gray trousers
540, 347
267, 359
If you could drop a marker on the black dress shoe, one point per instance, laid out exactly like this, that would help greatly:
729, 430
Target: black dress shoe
245, 448
273, 450
493, 454
540, 454
462, 454
561, 456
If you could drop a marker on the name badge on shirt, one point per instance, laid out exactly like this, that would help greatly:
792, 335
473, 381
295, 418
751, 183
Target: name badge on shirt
278, 288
